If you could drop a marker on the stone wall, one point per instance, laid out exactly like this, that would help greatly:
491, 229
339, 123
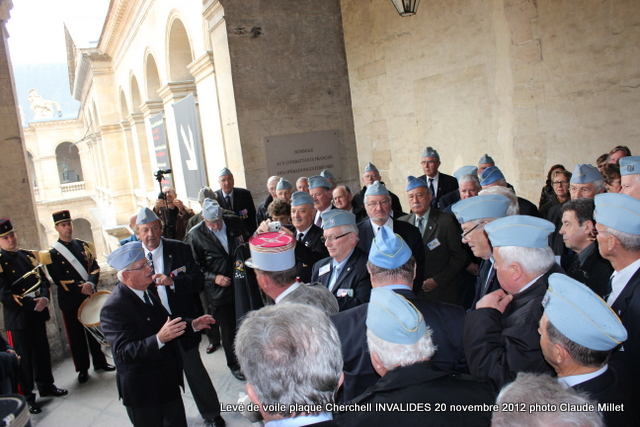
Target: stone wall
532, 83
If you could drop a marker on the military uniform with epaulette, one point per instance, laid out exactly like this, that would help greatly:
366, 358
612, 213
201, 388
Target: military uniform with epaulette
21, 282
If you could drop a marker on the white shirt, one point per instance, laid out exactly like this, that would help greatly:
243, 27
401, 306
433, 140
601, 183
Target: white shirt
287, 292
376, 227
435, 183
318, 213
572, 380
528, 285
221, 235
304, 233
141, 295
158, 267
619, 280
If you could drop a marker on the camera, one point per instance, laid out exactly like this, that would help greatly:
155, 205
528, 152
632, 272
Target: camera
275, 226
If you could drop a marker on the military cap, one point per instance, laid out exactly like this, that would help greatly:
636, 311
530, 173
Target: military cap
206, 193
283, 184
5, 227
392, 318
370, 168
211, 210
519, 230
618, 211
376, 189
486, 159
61, 216
319, 181
145, 216
272, 252
413, 183
224, 171
490, 175
585, 174
337, 217
480, 207
465, 170
326, 173
430, 152
301, 198
629, 165
126, 255
581, 315
389, 250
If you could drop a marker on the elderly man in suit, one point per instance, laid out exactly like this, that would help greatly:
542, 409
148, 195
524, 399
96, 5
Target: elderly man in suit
344, 272
474, 214
618, 224
500, 335
630, 176
321, 190
309, 247
236, 199
142, 335
578, 332
75, 270
493, 177
378, 205
468, 186
370, 175
485, 161
440, 184
274, 262
392, 265
178, 281
214, 243
444, 255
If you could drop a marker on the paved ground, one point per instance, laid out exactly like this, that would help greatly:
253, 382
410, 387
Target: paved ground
96, 404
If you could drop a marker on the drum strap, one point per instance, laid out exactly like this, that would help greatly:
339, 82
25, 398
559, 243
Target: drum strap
72, 260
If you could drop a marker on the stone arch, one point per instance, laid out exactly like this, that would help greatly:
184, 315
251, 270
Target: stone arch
135, 95
179, 54
82, 229
124, 110
68, 160
31, 170
152, 78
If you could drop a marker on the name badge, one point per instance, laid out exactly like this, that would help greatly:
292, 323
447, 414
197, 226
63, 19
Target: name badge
324, 269
344, 293
433, 244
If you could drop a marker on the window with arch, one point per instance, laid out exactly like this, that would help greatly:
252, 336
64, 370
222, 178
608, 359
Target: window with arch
68, 160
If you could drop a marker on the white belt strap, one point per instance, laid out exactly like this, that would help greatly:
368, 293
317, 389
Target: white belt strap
72, 260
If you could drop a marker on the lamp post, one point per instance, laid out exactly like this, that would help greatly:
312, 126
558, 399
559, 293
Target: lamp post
406, 7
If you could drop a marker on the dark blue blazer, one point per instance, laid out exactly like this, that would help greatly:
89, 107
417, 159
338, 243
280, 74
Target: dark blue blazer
354, 275
444, 319
242, 200
446, 184
627, 307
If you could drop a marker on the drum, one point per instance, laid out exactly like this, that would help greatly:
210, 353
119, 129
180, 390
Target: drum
14, 411
89, 315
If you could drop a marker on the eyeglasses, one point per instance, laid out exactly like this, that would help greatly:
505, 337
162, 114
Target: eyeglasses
149, 264
465, 234
333, 238
380, 203
556, 183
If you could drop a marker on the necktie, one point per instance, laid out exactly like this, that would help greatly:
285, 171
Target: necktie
146, 298
227, 200
150, 258
319, 220
334, 278
433, 192
608, 291
300, 237
421, 225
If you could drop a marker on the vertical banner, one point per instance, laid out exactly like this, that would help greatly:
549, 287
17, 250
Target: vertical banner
190, 141
160, 146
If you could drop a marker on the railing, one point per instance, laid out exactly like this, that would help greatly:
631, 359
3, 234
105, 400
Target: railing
74, 186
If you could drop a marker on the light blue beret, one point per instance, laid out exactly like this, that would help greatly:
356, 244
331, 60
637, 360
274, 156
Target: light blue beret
584, 174
283, 184
337, 217
370, 168
211, 210
490, 175
486, 159
224, 171
376, 189
430, 152
465, 170
629, 165
520, 230
145, 216
392, 318
301, 198
581, 315
326, 173
413, 183
319, 181
480, 207
125, 255
389, 250
618, 211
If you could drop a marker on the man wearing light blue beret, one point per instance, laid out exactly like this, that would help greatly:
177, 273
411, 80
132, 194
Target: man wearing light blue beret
445, 256
578, 332
392, 266
493, 177
468, 186
473, 214
309, 248
401, 348
369, 176
439, 183
500, 335
344, 271
485, 161
320, 190
630, 176
378, 206
618, 224
236, 199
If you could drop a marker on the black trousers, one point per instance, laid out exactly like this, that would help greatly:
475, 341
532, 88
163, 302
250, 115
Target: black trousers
33, 347
225, 316
200, 383
81, 342
213, 334
170, 414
